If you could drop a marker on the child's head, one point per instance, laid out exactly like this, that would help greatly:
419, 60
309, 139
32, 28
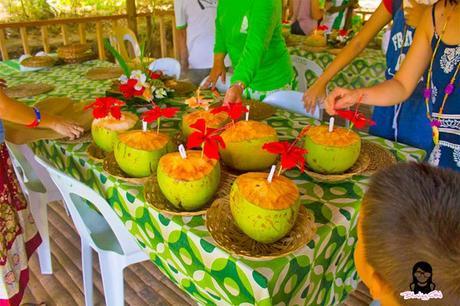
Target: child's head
410, 230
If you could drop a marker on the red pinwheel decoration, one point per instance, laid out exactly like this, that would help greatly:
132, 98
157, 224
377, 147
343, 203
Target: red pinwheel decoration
206, 138
234, 110
105, 106
322, 28
343, 32
156, 113
291, 155
155, 75
129, 89
356, 118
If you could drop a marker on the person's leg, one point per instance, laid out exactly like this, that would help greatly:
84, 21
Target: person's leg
296, 29
197, 75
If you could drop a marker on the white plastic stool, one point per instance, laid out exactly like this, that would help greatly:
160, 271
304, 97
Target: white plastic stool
292, 101
167, 65
102, 232
220, 86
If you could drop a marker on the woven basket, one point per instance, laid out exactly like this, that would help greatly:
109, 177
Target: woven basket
27, 90
110, 166
75, 53
38, 62
155, 197
381, 157
259, 111
104, 73
95, 153
228, 236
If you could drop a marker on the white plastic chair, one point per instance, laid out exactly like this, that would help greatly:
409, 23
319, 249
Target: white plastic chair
119, 36
220, 86
302, 65
167, 65
292, 101
102, 232
39, 190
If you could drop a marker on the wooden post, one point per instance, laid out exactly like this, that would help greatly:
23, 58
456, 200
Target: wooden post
174, 32
100, 40
114, 24
3, 45
131, 12
82, 33
163, 41
65, 36
25, 40
45, 40
149, 26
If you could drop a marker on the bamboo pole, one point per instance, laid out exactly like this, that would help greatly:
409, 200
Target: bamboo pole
25, 40
100, 40
162, 38
3, 48
174, 31
82, 33
65, 35
45, 40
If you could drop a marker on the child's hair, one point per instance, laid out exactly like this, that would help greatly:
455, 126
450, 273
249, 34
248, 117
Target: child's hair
411, 215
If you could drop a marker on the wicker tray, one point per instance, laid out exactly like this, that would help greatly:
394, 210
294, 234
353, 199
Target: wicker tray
38, 62
181, 88
259, 111
219, 221
95, 153
110, 166
359, 167
380, 156
75, 53
27, 90
155, 197
104, 73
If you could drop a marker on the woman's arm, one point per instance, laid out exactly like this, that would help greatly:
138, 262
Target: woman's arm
378, 20
315, 10
16, 112
402, 85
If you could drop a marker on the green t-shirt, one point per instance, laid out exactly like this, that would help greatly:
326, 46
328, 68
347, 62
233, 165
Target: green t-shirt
249, 31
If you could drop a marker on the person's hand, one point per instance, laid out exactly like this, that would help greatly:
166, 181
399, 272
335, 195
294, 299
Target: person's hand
233, 95
65, 127
341, 98
218, 71
413, 13
313, 95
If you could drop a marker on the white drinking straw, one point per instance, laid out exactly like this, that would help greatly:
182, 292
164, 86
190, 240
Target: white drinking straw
331, 124
182, 151
271, 174
144, 126
248, 107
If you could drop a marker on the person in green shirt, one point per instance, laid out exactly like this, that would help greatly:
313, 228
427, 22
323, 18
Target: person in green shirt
249, 31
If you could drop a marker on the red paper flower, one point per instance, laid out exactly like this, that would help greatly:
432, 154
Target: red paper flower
158, 112
234, 110
102, 107
129, 89
291, 155
206, 138
322, 28
355, 117
155, 75
343, 32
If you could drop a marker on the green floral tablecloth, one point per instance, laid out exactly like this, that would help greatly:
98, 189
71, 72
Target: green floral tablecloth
368, 69
320, 273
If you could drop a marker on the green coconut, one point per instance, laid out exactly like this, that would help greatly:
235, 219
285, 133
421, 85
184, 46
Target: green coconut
264, 211
137, 152
189, 183
105, 131
331, 153
243, 146
214, 121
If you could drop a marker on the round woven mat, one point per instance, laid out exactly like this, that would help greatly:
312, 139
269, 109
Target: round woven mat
359, 167
85, 138
181, 88
155, 197
228, 236
38, 62
104, 73
95, 153
110, 166
380, 156
27, 90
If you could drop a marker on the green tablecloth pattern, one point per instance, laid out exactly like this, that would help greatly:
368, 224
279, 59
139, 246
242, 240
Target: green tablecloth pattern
321, 273
368, 69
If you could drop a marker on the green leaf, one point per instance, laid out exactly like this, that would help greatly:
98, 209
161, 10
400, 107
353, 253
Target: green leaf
121, 61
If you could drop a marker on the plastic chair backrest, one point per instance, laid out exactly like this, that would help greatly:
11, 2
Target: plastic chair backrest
291, 101
220, 86
302, 65
71, 190
120, 35
167, 65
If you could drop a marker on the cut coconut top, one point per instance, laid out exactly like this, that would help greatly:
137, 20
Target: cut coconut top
280, 194
246, 130
145, 141
127, 121
212, 120
340, 137
192, 168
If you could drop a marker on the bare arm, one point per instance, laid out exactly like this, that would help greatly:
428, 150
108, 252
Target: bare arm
379, 19
315, 10
182, 45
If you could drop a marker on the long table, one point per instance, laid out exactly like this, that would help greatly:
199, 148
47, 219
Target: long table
320, 273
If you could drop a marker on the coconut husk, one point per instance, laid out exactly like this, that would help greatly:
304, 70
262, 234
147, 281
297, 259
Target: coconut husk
222, 227
27, 90
104, 73
155, 197
61, 107
380, 157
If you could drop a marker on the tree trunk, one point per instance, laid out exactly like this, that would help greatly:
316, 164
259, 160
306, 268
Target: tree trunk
131, 11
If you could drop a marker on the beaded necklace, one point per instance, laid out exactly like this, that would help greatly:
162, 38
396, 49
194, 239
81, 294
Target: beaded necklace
435, 123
